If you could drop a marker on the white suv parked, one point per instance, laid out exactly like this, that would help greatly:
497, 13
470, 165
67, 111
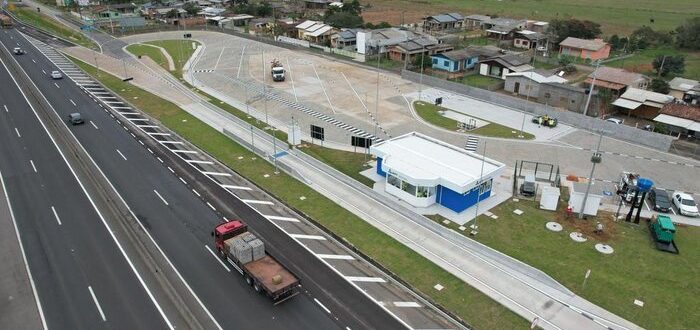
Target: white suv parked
685, 204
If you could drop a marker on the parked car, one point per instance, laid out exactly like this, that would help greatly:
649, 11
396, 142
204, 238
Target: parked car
18, 51
615, 120
528, 188
685, 204
75, 118
56, 75
659, 200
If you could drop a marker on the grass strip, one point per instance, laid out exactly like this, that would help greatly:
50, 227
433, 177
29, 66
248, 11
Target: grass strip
431, 113
468, 303
48, 24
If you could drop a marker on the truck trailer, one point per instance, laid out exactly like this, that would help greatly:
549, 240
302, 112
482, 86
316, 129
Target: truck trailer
246, 253
6, 21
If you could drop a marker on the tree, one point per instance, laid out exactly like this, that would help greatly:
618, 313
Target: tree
344, 20
565, 60
190, 7
666, 64
688, 34
171, 13
382, 25
425, 61
561, 29
660, 86
614, 42
645, 37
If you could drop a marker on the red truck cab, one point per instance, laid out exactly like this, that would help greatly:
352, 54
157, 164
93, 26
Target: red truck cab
225, 231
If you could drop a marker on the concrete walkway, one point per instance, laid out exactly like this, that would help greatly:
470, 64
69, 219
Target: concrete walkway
523, 289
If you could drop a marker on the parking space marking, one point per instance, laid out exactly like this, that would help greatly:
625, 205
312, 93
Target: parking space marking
335, 256
365, 279
406, 304
302, 236
274, 217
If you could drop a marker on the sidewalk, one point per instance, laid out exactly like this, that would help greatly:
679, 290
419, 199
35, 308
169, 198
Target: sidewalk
523, 289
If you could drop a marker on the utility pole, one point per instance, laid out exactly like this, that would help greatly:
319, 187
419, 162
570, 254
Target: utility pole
661, 68
595, 159
267, 122
420, 84
590, 90
376, 102
478, 190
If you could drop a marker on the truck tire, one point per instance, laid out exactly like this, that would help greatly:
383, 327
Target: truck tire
222, 255
248, 280
256, 286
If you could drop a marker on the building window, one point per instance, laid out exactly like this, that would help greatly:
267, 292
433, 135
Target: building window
425, 192
485, 186
409, 188
394, 181
446, 63
435, 61
562, 99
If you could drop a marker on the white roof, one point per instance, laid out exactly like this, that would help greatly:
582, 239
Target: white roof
538, 77
646, 97
320, 31
422, 160
242, 16
306, 24
678, 122
627, 104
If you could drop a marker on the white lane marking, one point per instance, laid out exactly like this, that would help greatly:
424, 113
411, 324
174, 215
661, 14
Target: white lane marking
228, 186
322, 306
674, 212
55, 214
211, 206
4, 106
43, 71
171, 170
136, 119
240, 63
217, 258
183, 180
314, 237
55, 84
93, 125
255, 201
171, 142
199, 161
34, 167
33, 61
17, 131
219, 59
149, 150
216, 173
274, 217
335, 256
407, 304
184, 151
647, 205
196, 193
71, 101
159, 134
97, 303
161, 197
141, 142
121, 154
365, 279
291, 79
323, 88
159, 159
147, 126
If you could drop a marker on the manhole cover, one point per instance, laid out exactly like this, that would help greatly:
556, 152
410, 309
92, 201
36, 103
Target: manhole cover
577, 237
553, 226
604, 248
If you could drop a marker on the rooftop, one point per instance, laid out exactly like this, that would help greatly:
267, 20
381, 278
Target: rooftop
539, 77
682, 111
615, 75
430, 161
592, 44
447, 18
683, 84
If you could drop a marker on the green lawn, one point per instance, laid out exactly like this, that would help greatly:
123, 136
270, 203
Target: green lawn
350, 163
32, 17
179, 50
478, 81
154, 53
641, 62
430, 113
621, 16
636, 270
465, 301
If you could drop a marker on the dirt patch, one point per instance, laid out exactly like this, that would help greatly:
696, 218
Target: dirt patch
587, 226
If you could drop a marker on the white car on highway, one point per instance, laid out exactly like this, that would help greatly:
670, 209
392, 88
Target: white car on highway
685, 204
56, 75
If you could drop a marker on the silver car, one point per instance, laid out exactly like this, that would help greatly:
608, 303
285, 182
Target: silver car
56, 75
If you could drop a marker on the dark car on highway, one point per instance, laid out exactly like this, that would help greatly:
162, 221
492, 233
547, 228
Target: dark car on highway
659, 200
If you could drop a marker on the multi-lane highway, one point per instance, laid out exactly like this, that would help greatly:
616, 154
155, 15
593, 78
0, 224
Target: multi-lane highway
83, 279
179, 222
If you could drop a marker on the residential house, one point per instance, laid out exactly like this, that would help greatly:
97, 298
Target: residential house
346, 38
241, 19
686, 90
314, 32
501, 65
565, 96
528, 83
503, 28
595, 49
64, 3
537, 26
407, 51
262, 25
527, 39
211, 12
318, 4
462, 59
617, 80
681, 118
163, 13
641, 103
378, 41
443, 22
475, 22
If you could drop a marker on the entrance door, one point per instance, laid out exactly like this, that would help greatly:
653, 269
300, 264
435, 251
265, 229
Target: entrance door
516, 89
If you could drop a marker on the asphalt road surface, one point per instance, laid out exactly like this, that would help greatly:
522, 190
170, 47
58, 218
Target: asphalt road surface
181, 223
83, 280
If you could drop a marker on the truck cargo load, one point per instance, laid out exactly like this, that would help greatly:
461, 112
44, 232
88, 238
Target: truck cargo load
6, 21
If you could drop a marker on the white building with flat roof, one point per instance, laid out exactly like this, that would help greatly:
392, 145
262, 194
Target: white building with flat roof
423, 171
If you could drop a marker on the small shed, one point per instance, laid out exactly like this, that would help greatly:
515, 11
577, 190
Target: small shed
595, 195
550, 198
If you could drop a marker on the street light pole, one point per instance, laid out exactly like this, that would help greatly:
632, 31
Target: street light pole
376, 101
595, 159
590, 90
420, 84
478, 189
267, 122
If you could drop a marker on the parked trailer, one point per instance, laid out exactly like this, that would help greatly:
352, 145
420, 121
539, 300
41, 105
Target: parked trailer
246, 253
6, 21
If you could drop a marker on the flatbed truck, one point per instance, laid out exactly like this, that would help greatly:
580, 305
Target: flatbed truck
261, 271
